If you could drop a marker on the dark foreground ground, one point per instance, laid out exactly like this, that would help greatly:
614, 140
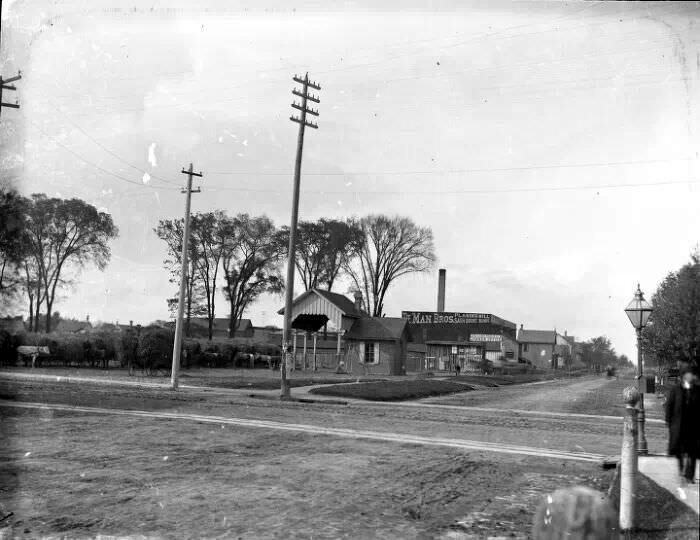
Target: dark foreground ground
76, 474
82, 475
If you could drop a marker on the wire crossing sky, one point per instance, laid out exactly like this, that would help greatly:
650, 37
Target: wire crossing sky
552, 147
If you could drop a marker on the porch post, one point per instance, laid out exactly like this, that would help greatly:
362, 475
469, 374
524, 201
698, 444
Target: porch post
294, 352
315, 334
304, 365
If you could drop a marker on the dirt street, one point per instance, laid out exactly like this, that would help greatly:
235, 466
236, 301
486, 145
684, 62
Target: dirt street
176, 478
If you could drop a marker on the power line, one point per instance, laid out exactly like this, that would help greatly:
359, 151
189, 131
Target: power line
114, 154
461, 171
473, 191
81, 158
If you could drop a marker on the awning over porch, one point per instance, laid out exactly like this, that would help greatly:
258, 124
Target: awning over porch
309, 322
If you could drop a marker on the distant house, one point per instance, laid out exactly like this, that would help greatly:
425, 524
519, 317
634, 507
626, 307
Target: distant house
199, 327
73, 327
538, 347
12, 325
548, 349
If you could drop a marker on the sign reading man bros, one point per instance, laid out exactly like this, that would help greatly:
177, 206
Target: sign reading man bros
427, 317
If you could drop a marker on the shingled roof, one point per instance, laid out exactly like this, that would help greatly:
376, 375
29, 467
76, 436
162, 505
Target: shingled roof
381, 328
537, 336
342, 302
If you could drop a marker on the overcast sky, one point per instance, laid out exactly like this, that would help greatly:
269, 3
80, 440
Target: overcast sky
552, 147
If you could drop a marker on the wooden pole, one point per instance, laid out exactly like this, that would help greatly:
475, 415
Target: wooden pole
183, 278
289, 290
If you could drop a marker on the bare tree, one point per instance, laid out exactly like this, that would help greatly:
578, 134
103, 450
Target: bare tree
250, 261
391, 248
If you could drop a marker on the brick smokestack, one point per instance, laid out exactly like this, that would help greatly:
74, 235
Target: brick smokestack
441, 290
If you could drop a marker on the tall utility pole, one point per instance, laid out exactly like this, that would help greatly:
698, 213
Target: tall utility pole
4, 83
289, 291
5, 86
177, 348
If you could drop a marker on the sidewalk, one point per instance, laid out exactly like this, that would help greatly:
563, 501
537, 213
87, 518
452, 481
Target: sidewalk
664, 472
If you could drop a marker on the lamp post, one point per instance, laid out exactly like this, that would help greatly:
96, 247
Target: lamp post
638, 311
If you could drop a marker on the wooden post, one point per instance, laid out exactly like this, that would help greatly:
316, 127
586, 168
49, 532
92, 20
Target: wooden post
315, 366
294, 352
628, 460
337, 353
304, 364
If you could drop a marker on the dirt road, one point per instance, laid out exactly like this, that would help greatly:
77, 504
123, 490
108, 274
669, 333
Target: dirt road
149, 461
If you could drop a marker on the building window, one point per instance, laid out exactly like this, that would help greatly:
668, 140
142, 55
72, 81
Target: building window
525, 347
370, 353
510, 354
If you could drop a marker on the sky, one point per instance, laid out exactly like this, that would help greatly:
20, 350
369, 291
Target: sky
552, 147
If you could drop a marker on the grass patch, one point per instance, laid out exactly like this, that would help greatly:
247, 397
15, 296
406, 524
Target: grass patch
264, 383
393, 390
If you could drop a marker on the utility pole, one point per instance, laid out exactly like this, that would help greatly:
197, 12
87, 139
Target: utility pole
183, 277
289, 291
5, 86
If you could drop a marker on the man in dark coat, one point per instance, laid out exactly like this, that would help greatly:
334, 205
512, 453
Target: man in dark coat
683, 420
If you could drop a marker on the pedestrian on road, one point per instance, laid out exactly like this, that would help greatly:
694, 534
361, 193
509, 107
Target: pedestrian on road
457, 369
683, 420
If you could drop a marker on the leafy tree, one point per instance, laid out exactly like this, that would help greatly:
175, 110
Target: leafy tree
323, 249
65, 234
13, 215
673, 332
598, 352
172, 233
250, 260
390, 248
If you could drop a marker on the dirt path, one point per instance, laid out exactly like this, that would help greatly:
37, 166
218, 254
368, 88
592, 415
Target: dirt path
585, 434
319, 430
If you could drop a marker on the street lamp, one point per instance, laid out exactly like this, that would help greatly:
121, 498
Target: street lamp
638, 311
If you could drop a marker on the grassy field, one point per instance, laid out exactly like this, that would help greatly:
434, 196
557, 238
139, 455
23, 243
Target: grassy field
83, 475
393, 390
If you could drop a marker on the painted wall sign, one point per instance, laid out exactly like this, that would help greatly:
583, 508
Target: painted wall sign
428, 317
486, 337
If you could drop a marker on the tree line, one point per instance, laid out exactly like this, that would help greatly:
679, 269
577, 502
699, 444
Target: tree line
672, 335
44, 242
243, 256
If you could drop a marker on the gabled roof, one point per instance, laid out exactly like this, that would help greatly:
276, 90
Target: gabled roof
537, 336
343, 303
382, 328
72, 326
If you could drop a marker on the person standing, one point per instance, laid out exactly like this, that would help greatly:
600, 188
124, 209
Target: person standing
683, 420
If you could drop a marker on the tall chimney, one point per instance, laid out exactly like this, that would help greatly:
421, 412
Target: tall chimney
358, 300
441, 290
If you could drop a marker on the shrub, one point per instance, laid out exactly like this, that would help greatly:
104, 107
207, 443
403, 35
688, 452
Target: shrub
194, 354
8, 348
128, 348
155, 349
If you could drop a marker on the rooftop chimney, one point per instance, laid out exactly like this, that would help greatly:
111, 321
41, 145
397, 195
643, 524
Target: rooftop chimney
441, 290
358, 300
